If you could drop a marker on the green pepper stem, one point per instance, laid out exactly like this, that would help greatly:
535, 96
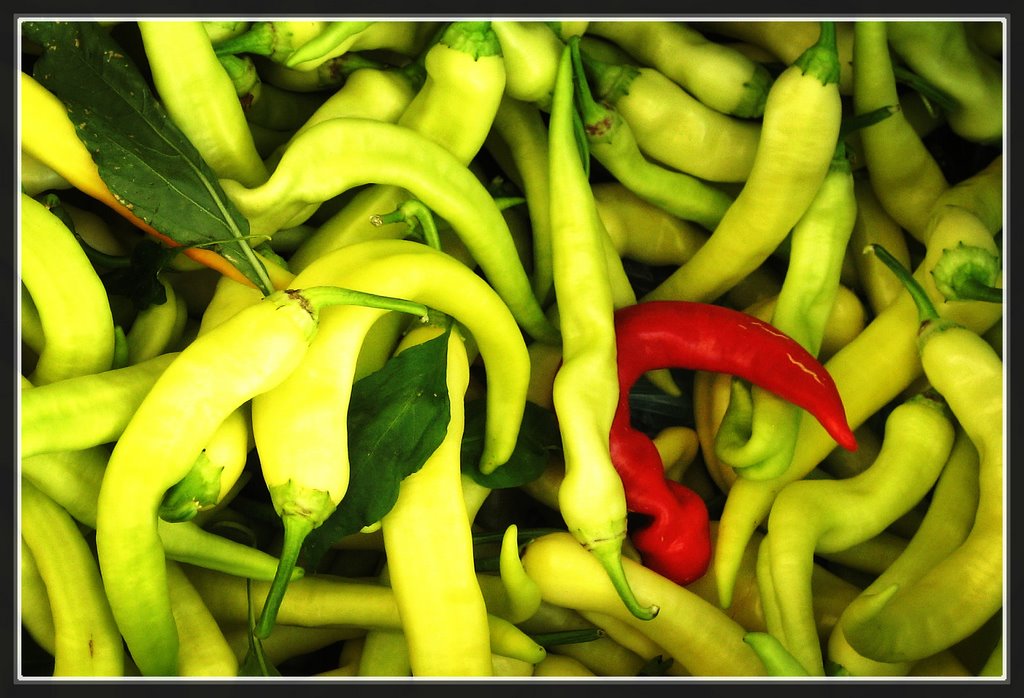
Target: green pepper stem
968, 272
318, 297
931, 93
974, 290
567, 637
474, 38
609, 554
611, 81
925, 308
413, 213
822, 59
296, 528
855, 122
259, 40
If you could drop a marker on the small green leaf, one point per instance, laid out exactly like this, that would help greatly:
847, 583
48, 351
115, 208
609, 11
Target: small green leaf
397, 418
538, 437
143, 157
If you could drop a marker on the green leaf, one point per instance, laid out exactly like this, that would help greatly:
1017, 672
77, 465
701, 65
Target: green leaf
397, 418
143, 157
139, 280
538, 436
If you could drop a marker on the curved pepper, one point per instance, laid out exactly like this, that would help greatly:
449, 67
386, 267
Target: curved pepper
664, 334
676, 543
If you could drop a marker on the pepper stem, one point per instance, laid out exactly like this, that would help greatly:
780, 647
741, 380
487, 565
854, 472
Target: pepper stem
296, 528
320, 297
925, 308
968, 272
474, 38
567, 637
415, 214
822, 59
259, 39
609, 554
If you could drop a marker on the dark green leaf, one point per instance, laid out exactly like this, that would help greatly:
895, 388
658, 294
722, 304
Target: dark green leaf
139, 280
538, 436
144, 159
397, 418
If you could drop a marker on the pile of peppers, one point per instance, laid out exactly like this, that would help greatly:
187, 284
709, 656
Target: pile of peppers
710, 315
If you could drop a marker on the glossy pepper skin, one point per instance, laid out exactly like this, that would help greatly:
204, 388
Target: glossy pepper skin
699, 336
676, 542
707, 337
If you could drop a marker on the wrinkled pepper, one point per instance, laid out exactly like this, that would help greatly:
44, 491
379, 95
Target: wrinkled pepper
699, 336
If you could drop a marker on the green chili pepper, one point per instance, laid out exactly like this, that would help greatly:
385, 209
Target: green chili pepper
812, 516
157, 327
876, 366
874, 224
943, 53
912, 622
264, 104
38, 177
585, 392
531, 51
85, 411
521, 129
195, 394
785, 40
904, 174
758, 440
200, 99
36, 614
675, 128
405, 268
69, 298
798, 138
333, 40
701, 637
360, 151
777, 659
454, 108
338, 38
328, 76
375, 93
307, 486
205, 651
612, 142
73, 479
945, 525
215, 472
717, 74
522, 592
86, 639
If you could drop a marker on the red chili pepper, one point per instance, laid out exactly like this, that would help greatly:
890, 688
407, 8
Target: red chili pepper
676, 542
700, 336
707, 337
